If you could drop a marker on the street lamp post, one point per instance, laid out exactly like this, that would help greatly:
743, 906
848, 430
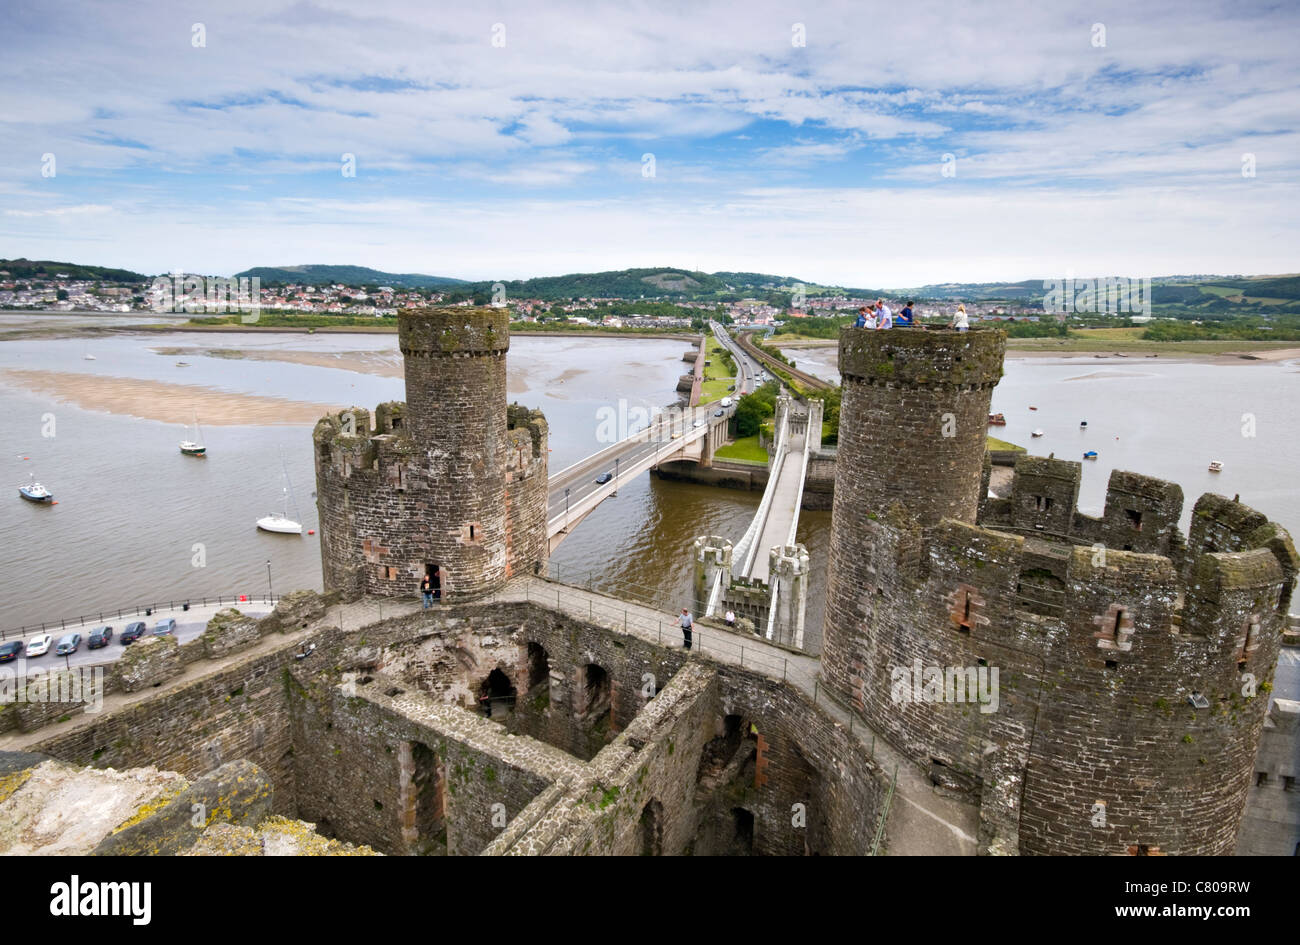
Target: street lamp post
615, 492
270, 593
566, 509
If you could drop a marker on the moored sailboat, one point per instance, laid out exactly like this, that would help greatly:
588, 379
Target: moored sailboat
194, 447
279, 522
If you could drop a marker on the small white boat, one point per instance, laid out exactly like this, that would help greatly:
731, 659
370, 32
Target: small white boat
1036, 433
1216, 466
277, 522
182, 364
35, 492
89, 357
280, 522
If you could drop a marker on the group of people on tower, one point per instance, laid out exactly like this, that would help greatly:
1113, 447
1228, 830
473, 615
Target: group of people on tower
879, 317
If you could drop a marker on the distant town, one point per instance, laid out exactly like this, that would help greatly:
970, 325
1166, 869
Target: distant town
62, 292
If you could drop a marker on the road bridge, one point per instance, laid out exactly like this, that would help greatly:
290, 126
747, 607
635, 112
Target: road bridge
574, 492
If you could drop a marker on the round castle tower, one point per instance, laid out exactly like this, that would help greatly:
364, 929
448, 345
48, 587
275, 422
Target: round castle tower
913, 426
914, 420
455, 361
1119, 671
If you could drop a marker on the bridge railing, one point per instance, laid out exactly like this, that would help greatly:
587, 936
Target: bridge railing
743, 551
663, 628
645, 594
581, 506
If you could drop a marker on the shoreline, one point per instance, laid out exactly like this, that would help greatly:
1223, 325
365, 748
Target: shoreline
162, 401
373, 330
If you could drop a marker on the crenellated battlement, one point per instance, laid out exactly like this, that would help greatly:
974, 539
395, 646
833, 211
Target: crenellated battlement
1140, 514
452, 331
923, 357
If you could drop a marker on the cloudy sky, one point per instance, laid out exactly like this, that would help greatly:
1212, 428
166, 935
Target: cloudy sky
864, 144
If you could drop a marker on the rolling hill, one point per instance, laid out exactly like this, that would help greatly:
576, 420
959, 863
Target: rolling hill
47, 269
346, 275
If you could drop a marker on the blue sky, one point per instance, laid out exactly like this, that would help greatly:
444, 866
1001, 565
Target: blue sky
823, 161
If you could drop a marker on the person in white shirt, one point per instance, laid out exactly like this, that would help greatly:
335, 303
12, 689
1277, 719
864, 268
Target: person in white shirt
731, 619
884, 316
960, 321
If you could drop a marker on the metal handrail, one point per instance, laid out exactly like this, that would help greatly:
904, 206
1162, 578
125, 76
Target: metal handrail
121, 613
884, 814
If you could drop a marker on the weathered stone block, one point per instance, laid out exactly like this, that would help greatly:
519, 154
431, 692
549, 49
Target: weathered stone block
150, 661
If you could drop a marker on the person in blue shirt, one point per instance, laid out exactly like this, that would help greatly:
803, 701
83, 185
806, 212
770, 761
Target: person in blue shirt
862, 318
905, 316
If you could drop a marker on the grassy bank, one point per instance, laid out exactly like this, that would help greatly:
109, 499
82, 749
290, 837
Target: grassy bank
716, 376
746, 448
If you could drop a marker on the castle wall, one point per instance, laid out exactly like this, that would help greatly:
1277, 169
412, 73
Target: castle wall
795, 756
239, 713
1271, 825
360, 744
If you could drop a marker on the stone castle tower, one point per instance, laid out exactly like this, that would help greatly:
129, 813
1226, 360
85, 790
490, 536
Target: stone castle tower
451, 483
1132, 663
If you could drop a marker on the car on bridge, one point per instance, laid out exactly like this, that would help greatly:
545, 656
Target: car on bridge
719, 413
603, 478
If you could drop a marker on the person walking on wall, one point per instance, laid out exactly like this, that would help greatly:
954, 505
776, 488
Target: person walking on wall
426, 588
686, 623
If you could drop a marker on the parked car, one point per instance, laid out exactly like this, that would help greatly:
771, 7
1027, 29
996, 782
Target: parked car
39, 645
698, 423
726, 401
676, 436
11, 651
732, 387
100, 636
165, 627
68, 644
133, 632
603, 478
719, 413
